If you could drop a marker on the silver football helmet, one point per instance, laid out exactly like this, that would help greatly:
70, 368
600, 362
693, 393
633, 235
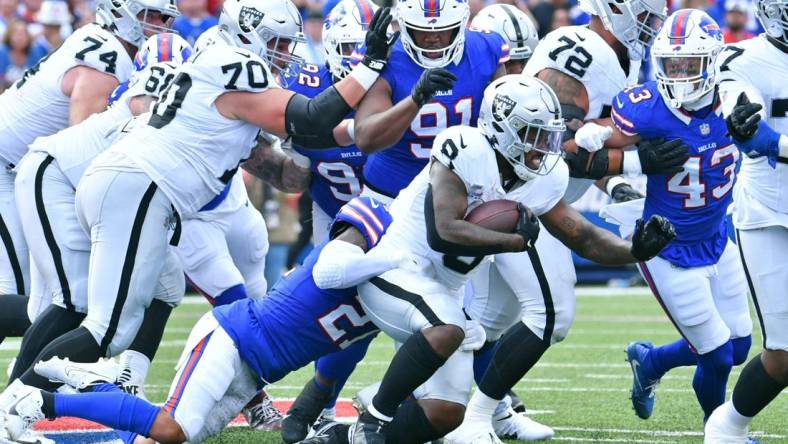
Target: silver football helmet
634, 23
773, 15
513, 25
128, 19
264, 28
521, 115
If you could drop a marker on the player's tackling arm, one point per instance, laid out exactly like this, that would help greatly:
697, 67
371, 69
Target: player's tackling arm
88, 90
379, 123
602, 246
447, 230
275, 167
572, 94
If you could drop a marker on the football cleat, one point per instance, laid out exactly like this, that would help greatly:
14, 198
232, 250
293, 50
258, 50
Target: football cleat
473, 432
517, 403
512, 425
720, 431
25, 412
304, 412
364, 397
79, 375
642, 394
329, 432
263, 415
368, 430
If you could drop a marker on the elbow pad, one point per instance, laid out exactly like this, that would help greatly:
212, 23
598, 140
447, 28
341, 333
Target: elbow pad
315, 116
444, 246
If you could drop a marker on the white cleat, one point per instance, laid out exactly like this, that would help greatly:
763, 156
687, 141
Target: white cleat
25, 412
77, 374
512, 425
720, 431
473, 432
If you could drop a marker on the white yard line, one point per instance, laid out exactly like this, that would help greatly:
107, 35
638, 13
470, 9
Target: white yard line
654, 432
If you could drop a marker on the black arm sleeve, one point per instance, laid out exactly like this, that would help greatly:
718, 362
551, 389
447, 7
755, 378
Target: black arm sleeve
588, 165
315, 141
441, 245
569, 112
316, 116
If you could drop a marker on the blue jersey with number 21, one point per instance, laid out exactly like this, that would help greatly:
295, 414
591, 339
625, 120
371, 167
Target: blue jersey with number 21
295, 323
389, 171
336, 172
696, 199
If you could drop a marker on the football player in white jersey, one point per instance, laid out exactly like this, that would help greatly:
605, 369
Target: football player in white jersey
422, 309
175, 162
516, 28
750, 77
63, 89
46, 179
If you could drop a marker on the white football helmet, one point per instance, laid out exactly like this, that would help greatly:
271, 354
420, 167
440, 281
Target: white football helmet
258, 25
433, 16
211, 36
164, 47
773, 15
634, 23
344, 30
683, 56
122, 18
153, 80
521, 114
516, 28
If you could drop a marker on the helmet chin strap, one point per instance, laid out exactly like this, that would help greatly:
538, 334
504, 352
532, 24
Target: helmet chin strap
634, 71
701, 102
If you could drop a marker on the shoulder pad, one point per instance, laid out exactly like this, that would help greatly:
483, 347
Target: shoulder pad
235, 69
95, 47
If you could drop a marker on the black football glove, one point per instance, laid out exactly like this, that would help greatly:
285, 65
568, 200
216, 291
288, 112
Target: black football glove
527, 226
660, 157
743, 121
377, 42
431, 81
587, 165
624, 192
651, 237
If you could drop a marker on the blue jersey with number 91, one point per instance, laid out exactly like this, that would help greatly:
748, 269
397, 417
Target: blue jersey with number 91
295, 323
336, 172
696, 199
389, 171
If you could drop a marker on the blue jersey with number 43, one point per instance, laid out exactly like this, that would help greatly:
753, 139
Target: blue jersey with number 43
696, 199
336, 172
295, 323
389, 171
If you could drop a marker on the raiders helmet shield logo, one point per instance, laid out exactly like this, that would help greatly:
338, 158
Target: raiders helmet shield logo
250, 18
502, 107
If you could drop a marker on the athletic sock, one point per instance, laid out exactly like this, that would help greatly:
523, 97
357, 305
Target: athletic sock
755, 389
116, 409
662, 359
77, 345
13, 316
411, 366
481, 360
151, 330
410, 426
481, 407
339, 366
711, 377
52, 323
518, 351
134, 367
741, 348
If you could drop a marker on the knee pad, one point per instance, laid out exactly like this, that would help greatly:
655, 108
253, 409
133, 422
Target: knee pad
741, 348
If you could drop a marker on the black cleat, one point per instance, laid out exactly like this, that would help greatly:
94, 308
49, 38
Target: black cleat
368, 430
517, 403
330, 432
303, 413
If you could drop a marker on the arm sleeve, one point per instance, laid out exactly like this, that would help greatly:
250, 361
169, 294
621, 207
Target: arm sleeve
317, 116
342, 265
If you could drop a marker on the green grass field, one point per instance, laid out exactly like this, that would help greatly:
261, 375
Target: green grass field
580, 387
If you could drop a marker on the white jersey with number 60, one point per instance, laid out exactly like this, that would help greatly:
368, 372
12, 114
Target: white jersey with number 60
759, 69
187, 147
36, 106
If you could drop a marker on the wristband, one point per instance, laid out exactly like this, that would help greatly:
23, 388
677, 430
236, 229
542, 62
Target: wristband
364, 75
631, 165
612, 183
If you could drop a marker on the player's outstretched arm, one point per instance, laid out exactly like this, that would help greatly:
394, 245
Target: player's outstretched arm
284, 113
445, 206
275, 167
87, 90
602, 246
380, 123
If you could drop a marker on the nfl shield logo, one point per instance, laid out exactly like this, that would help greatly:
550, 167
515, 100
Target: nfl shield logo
705, 129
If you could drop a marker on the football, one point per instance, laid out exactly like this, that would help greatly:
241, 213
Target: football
498, 215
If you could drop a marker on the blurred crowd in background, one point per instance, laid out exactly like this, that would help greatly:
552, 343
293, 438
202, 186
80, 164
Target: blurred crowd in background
31, 29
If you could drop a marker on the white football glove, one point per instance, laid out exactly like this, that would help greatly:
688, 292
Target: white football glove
475, 336
591, 137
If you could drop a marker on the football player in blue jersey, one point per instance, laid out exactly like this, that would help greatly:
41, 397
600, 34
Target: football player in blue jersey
698, 279
435, 79
235, 346
336, 178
